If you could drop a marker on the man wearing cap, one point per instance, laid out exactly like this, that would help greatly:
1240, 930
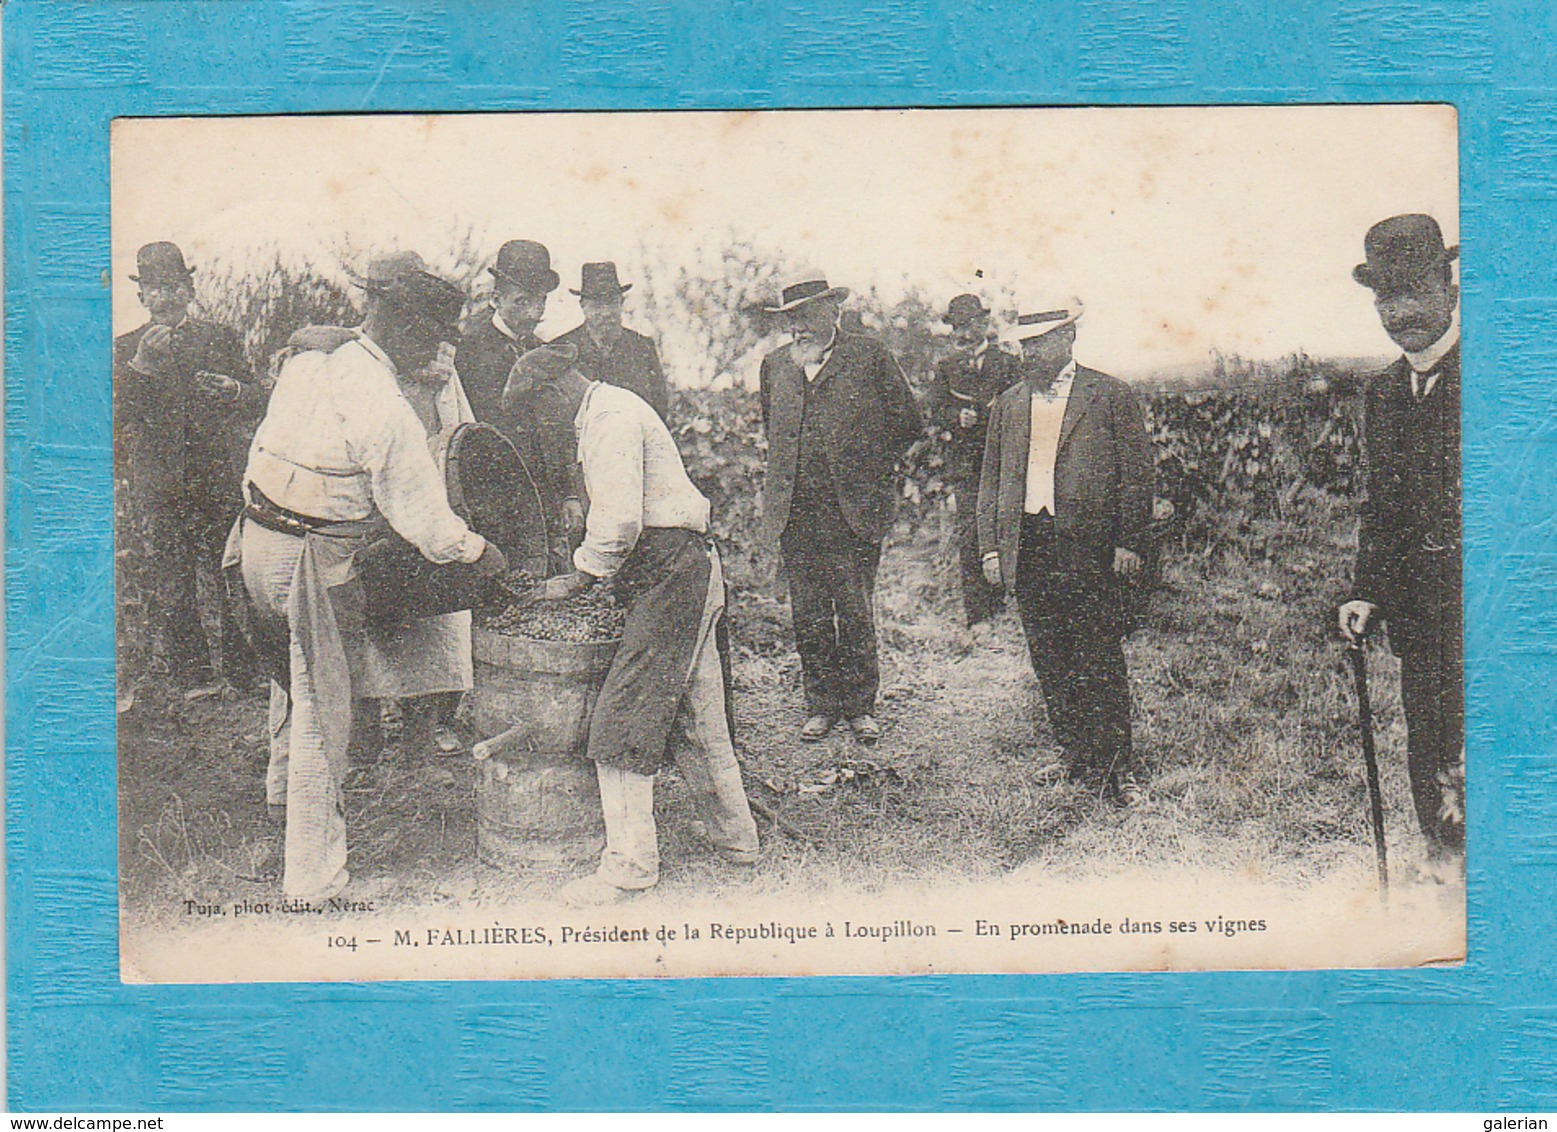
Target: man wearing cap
838, 415
340, 455
551, 447
1065, 500
966, 385
609, 351
1408, 571
184, 398
647, 534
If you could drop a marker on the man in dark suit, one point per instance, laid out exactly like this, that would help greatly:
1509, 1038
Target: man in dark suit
838, 416
184, 401
607, 350
966, 385
1065, 500
1408, 570
522, 278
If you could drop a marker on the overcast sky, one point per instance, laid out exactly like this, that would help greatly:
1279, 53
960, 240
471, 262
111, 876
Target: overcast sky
1182, 229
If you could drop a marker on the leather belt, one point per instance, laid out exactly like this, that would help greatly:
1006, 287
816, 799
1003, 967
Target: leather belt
274, 517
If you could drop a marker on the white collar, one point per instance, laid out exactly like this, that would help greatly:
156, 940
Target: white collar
821, 359
1062, 383
377, 352
502, 327
583, 406
1424, 360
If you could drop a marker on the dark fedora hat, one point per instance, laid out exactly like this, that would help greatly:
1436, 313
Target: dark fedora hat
385, 270
427, 301
431, 303
161, 262
598, 281
546, 361
1401, 250
806, 290
527, 265
964, 309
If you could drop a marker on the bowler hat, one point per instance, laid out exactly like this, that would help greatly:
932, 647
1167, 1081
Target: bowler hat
161, 262
964, 309
1065, 312
806, 290
1401, 250
598, 281
527, 265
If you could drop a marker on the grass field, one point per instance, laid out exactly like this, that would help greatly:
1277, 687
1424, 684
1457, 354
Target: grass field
1242, 708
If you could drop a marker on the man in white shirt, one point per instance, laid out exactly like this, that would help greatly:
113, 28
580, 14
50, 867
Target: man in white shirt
340, 454
1408, 571
647, 532
1064, 505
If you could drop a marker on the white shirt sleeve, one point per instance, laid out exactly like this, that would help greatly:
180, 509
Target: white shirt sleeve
409, 490
611, 450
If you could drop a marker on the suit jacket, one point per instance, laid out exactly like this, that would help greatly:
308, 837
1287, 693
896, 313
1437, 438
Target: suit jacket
169, 439
483, 361
1103, 471
633, 363
872, 421
960, 385
1408, 544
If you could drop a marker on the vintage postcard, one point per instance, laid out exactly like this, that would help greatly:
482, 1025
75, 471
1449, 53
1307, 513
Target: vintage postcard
788, 542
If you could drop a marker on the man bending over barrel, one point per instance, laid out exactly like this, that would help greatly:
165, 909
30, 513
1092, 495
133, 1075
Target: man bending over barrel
647, 531
340, 455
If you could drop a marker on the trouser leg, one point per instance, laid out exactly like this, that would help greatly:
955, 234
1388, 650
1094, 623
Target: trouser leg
814, 617
1098, 699
632, 854
1041, 624
442, 707
279, 732
316, 813
707, 760
859, 672
1046, 649
1433, 698
178, 611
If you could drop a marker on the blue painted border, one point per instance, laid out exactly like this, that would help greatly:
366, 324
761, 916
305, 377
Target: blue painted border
1481, 1037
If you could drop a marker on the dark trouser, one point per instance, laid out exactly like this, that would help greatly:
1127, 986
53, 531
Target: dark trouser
832, 577
980, 600
1069, 606
188, 543
1432, 691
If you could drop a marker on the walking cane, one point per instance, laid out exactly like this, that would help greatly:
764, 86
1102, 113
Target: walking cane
1359, 657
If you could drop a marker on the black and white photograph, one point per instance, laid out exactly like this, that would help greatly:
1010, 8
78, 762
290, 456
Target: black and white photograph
823, 542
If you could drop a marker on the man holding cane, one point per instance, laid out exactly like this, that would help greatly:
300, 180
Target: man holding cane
1408, 570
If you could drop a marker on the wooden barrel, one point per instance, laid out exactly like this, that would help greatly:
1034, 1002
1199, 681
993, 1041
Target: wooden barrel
539, 802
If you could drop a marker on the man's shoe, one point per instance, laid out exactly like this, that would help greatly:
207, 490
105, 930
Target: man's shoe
329, 891
865, 728
816, 728
1129, 791
594, 891
447, 740
267, 863
730, 854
